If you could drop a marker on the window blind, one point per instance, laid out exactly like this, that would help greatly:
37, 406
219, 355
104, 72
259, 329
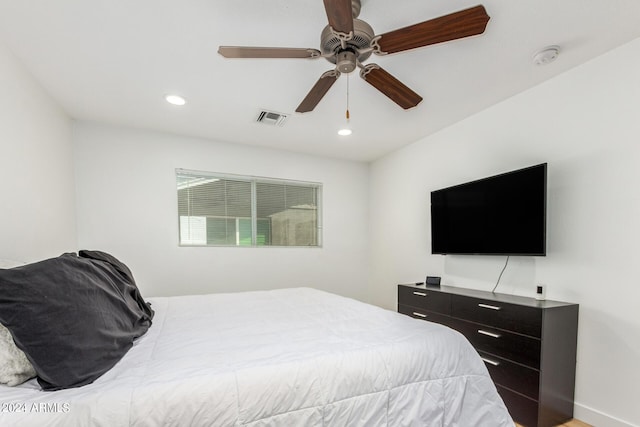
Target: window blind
229, 210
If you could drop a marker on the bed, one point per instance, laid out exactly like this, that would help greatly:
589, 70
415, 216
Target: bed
288, 357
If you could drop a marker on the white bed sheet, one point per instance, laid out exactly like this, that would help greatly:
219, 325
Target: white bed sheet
290, 357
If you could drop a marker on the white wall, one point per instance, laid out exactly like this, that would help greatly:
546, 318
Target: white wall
37, 217
586, 125
127, 205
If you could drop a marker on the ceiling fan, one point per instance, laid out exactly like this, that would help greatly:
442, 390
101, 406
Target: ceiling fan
348, 42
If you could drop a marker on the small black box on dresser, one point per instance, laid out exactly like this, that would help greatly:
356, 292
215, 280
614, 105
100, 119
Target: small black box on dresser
528, 345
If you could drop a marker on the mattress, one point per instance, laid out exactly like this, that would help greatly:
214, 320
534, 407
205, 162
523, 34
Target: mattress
289, 357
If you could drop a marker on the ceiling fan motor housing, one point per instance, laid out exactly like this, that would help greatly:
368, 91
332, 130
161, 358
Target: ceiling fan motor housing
330, 44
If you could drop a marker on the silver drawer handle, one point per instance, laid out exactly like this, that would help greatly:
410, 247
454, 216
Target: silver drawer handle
489, 334
491, 307
420, 294
419, 314
489, 361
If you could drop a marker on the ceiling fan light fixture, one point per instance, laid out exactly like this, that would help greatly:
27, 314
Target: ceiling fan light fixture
175, 100
346, 61
345, 132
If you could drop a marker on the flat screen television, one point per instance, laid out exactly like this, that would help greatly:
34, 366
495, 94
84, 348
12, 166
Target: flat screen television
504, 214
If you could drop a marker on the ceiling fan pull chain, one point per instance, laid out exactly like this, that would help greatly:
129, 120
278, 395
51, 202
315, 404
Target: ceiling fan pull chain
347, 114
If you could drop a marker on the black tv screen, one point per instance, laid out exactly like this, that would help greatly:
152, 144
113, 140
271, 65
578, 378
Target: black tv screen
500, 215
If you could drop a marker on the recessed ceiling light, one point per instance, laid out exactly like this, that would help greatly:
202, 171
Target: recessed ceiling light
344, 132
175, 99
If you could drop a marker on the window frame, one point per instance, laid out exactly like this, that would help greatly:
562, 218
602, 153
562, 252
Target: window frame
253, 180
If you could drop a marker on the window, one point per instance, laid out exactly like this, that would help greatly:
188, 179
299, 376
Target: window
230, 210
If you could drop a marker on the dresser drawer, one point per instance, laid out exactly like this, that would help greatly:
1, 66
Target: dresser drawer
420, 313
512, 375
511, 317
507, 345
424, 298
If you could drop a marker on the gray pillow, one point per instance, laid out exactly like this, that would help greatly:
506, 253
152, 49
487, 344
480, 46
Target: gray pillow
15, 368
73, 317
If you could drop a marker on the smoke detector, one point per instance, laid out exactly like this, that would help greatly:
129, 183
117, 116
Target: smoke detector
546, 55
271, 118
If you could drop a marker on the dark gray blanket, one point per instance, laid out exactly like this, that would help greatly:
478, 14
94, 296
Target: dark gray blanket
73, 316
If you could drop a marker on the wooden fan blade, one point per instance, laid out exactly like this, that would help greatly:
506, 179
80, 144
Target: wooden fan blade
468, 22
340, 15
267, 52
397, 91
318, 91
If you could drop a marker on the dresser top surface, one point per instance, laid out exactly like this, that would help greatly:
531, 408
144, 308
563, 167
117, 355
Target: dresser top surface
490, 296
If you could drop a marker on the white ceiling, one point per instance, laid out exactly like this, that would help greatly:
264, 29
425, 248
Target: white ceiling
112, 61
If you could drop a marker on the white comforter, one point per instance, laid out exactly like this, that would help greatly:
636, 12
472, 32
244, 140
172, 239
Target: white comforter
291, 357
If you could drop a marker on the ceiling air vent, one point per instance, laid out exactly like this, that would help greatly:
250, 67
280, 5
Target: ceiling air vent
271, 118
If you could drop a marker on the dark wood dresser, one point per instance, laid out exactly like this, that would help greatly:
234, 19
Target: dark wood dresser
528, 346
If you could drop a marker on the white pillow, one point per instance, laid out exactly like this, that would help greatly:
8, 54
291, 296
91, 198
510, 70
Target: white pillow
15, 368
